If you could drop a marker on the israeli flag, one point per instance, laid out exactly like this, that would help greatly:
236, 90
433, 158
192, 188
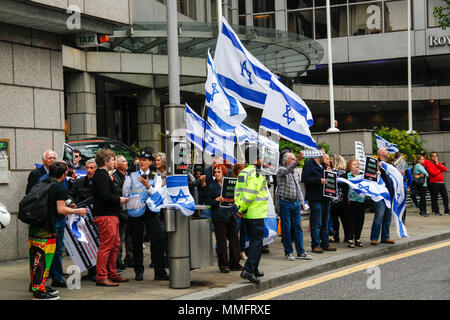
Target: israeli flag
240, 73
270, 225
76, 224
246, 134
220, 143
195, 128
399, 202
377, 191
224, 111
174, 195
287, 115
383, 143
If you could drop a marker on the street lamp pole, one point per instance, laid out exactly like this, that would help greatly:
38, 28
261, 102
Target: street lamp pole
410, 122
330, 71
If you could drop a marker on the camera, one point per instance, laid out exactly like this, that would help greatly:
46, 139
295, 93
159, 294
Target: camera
144, 176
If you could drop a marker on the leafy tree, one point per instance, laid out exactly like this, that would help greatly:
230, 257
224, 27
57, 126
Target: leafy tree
296, 149
409, 145
442, 13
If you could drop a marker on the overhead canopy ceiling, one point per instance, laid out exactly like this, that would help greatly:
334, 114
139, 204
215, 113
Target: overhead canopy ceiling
284, 53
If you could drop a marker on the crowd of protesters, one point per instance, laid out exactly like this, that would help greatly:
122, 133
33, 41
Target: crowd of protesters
238, 229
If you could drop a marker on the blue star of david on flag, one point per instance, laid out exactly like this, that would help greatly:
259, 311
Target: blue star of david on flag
215, 91
249, 74
286, 115
180, 195
363, 187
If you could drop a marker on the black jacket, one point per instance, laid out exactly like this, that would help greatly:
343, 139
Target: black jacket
223, 215
311, 175
81, 190
106, 200
34, 176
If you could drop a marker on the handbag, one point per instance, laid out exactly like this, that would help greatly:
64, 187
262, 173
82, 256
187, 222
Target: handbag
419, 181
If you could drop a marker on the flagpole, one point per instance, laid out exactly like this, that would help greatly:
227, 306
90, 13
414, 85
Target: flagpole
219, 15
410, 123
330, 71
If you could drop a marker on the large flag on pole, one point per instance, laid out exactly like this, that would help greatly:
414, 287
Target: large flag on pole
399, 202
241, 74
246, 134
220, 143
224, 111
195, 128
287, 115
383, 143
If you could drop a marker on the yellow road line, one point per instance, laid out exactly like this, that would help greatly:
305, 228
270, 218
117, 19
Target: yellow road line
364, 266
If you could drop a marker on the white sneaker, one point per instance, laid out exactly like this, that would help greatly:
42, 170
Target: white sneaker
304, 256
290, 257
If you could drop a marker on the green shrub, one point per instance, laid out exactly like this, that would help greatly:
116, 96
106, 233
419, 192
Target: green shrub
409, 145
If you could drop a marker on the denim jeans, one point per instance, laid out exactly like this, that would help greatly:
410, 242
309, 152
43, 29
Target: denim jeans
56, 270
255, 232
381, 220
290, 218
319, 224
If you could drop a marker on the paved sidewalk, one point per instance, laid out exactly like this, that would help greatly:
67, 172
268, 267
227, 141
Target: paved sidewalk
209, 283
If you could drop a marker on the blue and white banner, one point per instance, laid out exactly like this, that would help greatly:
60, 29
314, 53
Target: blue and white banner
376, 191
287, 115
246, 134
220, 143
174, 195
195, 128
240, 73
77, 224
383, 143
399, 202
224, 111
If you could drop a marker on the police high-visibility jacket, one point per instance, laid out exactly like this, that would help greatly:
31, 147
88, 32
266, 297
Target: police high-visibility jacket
251, 193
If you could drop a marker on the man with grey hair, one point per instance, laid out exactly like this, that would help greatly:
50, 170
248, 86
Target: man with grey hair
291, 201
119, 176
41, 173
80, 191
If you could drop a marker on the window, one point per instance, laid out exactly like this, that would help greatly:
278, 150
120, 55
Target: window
242, 20
338, 17
431, 4
263, 6
365, 18
187, 7
301, 22
241, 6
298, 4
266, 20
395, 16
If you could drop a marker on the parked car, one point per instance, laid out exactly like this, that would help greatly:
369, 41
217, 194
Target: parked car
89, 147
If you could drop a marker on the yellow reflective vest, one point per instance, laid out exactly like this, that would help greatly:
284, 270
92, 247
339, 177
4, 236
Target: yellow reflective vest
251, 193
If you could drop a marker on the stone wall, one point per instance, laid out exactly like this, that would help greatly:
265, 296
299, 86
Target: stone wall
31, 116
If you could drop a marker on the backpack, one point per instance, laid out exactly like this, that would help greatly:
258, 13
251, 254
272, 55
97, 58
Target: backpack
33, 208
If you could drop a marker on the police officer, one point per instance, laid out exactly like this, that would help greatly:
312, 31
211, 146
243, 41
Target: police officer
251, 197
144, 183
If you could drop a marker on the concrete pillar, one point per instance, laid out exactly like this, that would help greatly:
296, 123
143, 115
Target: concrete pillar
149, 119
81, 105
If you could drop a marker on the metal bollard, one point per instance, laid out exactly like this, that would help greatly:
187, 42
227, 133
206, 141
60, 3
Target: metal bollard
179, 260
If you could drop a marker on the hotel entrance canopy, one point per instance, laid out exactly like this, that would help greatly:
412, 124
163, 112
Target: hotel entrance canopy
284, 53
